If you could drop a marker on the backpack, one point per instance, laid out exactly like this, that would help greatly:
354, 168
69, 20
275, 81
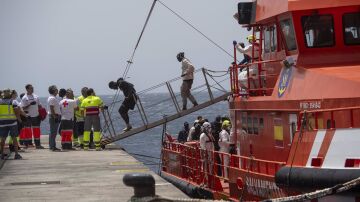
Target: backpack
42, 113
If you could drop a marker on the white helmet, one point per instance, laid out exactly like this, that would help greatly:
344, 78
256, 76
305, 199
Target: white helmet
206, 126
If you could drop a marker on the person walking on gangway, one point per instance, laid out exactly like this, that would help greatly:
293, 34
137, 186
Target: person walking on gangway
187, 75
129, 101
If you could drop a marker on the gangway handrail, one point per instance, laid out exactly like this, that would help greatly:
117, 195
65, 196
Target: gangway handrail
107, 140
145, 116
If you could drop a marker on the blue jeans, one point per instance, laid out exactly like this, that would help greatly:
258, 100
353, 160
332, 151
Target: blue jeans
54, 126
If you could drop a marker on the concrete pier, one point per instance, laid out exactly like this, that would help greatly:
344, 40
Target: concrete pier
44, 175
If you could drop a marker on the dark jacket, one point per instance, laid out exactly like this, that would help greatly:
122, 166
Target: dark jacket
129, 93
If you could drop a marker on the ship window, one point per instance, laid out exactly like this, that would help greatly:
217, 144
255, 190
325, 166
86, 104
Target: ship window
351, 22
256, 125
243, 120
289, 34
267, 40
261, 122
318, 31
250, 125
270, 40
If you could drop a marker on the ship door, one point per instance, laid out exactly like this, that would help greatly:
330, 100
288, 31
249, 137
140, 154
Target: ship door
293, 125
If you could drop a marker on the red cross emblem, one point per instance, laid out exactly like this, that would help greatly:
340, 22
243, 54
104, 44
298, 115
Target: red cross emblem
65, 104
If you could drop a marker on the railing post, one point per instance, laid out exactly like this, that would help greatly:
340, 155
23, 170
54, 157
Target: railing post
259, 53
173, 97
141, 111
207, 85
351, 118
332, 120
235, 71
316, 121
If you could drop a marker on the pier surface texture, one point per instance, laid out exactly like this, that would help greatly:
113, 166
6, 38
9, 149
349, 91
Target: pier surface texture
43, 175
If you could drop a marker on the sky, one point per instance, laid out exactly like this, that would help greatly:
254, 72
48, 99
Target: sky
76, 43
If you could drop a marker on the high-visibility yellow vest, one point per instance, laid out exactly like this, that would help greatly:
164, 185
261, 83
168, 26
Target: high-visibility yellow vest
7, 112
91, 105
79, 113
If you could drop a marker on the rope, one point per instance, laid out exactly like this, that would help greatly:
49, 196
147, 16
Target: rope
320, 193
196, 29
130, 61
165, 199
303, 124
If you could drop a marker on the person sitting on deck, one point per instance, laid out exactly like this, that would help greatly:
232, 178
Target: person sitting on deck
129, 101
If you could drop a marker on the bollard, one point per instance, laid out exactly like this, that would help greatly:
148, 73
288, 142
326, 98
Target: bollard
144, 184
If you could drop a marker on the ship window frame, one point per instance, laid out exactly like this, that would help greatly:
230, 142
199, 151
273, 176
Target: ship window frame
321, 23
346, 42
261, 122
291, 37
270, 39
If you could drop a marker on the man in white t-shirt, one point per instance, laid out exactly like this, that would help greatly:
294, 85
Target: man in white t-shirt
30, 103
54, 116
67, 108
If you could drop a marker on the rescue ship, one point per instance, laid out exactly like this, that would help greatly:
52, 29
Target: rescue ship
295, 127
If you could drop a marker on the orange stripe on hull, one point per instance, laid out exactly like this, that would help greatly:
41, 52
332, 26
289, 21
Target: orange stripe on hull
302, 149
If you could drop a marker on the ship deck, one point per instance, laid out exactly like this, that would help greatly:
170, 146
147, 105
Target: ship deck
43, 175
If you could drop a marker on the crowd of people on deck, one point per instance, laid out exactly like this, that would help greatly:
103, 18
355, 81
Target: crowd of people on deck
212, 136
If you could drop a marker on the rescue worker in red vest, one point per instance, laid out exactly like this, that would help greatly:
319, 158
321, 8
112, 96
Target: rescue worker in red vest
67, 108
224, 143
79, 123
92, 105
9, 115
31, 102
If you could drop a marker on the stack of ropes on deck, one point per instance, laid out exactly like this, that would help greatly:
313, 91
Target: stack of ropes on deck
130, 61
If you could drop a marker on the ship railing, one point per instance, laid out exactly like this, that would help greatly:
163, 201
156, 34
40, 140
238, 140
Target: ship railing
256, 83
254, 165
315, 118
197, 164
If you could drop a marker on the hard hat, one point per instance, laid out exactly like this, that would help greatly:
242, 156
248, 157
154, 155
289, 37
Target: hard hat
251, 38
180, 56
226, 124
